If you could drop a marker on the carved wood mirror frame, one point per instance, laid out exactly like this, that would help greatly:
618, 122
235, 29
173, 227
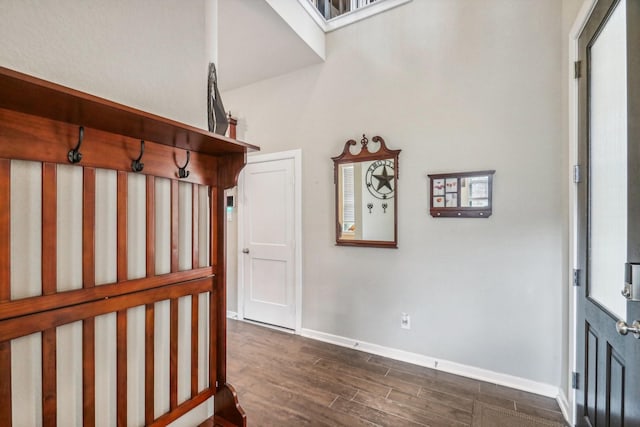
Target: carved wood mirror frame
376, 179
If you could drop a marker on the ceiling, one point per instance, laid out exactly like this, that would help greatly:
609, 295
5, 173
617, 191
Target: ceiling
255, 43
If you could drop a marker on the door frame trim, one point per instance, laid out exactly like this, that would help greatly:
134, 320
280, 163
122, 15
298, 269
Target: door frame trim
296, 156
572, 351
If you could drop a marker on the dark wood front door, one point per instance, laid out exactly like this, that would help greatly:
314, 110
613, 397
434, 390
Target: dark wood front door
608, 383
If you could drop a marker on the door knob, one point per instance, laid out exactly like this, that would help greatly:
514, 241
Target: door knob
245, 251
624, 329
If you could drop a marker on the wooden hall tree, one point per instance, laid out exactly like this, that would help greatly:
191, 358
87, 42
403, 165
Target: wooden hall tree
168, 288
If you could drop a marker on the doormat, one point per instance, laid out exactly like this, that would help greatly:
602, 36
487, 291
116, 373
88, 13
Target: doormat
492, 416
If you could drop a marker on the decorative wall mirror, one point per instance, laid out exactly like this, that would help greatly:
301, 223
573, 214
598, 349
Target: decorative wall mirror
367, 195
462, 194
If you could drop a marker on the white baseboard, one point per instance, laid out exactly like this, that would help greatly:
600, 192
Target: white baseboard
563, 402
235, 316
442, 365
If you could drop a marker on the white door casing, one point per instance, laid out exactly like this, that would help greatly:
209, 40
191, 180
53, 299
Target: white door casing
576, 29
269, 240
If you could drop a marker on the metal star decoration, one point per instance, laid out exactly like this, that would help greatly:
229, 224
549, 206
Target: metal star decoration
384, 180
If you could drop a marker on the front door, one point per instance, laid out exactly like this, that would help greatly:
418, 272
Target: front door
608, 351
268, 199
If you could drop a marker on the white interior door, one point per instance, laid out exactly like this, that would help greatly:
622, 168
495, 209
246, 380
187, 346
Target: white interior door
269, 231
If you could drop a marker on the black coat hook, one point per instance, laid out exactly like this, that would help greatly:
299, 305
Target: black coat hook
137, 165
75, 155
182, 171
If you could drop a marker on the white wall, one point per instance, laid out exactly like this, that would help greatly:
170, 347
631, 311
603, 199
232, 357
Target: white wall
260, 39
148, 54
151, 55
458, 86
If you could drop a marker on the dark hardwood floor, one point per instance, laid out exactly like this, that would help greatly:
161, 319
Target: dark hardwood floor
288, 380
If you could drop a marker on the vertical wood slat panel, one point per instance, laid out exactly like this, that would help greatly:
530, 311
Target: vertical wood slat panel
149, 367
219, 309
194, 345
151, 226
195, 259
195, 209
89, 228
173, 354
88, 372
213, 343
49, 386
49, 223
121, 317
217, 370
49, 277
213, 228
49, 285
5, 383
88, 281
149, 344
122, 226
175, 225
5, 287
121, 363
5, 230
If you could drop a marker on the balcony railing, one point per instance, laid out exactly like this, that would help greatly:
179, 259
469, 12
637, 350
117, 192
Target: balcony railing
333, 14
330, 9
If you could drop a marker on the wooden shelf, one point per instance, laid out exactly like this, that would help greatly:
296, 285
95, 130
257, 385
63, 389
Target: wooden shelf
27, 94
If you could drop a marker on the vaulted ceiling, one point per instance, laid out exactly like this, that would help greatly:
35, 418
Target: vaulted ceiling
255, 43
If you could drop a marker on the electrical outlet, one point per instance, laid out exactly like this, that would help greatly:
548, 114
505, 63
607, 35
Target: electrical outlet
405, 321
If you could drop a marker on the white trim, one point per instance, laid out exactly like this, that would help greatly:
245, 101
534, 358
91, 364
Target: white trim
574, 34
268, 326
296, 155
349, 17
563, 403
439, 364
297, 161
232, 315
314, 13
240, 237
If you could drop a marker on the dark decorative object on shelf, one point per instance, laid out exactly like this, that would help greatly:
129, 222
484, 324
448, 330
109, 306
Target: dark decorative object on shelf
218, 121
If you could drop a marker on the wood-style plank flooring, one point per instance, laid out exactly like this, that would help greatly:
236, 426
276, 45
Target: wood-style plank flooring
288, 380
